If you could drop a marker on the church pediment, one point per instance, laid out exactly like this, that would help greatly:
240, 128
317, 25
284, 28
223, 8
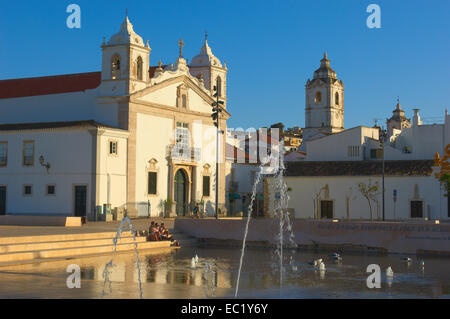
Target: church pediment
182, 93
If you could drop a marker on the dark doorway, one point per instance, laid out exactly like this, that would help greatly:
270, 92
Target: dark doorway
2, 200
80, 200
181, 193
326, 209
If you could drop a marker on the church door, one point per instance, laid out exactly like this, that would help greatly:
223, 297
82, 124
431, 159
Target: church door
80, 200
2, 200
180, 193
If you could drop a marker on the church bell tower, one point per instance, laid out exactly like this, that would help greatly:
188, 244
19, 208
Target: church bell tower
324, 105
125, 62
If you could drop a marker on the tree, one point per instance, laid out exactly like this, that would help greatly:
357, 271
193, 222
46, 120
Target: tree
348, 197
369, 191
443, 166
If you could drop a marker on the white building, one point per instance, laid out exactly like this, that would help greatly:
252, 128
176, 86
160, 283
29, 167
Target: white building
326, 182
128, 136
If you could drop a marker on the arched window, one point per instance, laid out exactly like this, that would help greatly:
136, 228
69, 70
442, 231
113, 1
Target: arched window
219, 86
115, 67
139, 68
336, 98
318, 97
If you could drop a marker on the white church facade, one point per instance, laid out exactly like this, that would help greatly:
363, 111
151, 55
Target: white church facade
133, 136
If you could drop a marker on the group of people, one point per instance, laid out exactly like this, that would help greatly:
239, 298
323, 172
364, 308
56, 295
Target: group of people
158, 232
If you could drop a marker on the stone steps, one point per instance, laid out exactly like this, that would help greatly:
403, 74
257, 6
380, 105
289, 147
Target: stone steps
52, 247
22, 247
61, 237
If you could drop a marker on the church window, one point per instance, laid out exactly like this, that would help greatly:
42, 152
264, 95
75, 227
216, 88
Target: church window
139, 65
182, 145
113, 148
206, 186
115, 67
27, 190
152, 183
3, 154
318, 97
353, 151
50, 189
28, 153
336, 98
219, 86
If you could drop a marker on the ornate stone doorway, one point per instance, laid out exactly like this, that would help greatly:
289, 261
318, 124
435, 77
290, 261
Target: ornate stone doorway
181, 190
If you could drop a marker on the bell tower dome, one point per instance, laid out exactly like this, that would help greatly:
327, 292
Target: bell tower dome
207, 66
125, 62
324, 105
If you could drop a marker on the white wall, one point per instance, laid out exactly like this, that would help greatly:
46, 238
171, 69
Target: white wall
69, 153
335, 146
112, 170
74, 106
304, 190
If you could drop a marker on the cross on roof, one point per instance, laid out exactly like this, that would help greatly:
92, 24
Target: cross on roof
181, 44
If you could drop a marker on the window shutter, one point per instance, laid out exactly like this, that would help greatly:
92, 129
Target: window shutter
206, 186
152, 183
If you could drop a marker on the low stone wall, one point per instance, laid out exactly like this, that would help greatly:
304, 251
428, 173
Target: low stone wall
390, 237
15, 220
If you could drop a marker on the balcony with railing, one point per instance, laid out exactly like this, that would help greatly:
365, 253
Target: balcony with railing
183, 153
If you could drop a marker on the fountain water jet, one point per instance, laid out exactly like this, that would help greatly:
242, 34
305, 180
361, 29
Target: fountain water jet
110, 264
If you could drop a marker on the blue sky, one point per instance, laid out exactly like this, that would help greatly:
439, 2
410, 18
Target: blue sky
271, 49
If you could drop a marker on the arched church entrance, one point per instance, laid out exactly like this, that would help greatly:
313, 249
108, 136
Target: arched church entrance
181, 188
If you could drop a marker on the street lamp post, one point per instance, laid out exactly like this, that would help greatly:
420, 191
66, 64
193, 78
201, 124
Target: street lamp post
215, 116
382, 180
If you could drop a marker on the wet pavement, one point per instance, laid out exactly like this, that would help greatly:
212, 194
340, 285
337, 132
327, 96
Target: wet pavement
168, 273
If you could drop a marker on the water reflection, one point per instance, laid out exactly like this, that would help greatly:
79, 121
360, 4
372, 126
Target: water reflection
167, 273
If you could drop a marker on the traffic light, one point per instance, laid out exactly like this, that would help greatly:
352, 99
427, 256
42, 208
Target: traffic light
216, 107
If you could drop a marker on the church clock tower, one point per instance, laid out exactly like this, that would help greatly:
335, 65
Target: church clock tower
324, 107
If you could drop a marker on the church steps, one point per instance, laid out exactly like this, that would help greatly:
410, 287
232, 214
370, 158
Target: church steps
56, 238
79, 251
22, 247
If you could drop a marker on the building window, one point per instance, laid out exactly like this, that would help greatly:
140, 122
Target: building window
326, 209
353, 151
318, 97
3, 154
27, 190
416, 209
152, 179
115, 67
28, 153
219, 86
336, 98
184, 100
139, 66
376, 153
113, 148
206, 185
51, 190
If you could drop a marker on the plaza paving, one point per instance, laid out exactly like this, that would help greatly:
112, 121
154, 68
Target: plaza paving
90, 227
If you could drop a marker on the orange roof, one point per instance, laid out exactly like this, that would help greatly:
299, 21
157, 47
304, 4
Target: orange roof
55, 84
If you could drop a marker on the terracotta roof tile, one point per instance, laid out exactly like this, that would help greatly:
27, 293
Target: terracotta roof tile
46, 125
49, 85
360, 168
56, 84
